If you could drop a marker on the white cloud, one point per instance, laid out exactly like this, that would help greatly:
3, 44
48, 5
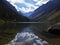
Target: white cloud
16, 1
30, 7
45, 1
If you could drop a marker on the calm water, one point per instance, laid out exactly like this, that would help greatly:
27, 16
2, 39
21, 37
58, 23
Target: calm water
8, 31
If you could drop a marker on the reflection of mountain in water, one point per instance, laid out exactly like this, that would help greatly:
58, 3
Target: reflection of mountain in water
27, 36
9, 30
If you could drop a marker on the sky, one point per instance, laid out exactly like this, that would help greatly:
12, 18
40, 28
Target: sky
26, 6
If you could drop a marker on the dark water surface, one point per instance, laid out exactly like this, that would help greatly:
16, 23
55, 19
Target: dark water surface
9, 30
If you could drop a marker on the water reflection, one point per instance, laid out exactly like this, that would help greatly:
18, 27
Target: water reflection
27, 37
8, 31
27, 32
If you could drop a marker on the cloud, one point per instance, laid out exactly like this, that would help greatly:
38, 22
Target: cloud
16, 1
30, 7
